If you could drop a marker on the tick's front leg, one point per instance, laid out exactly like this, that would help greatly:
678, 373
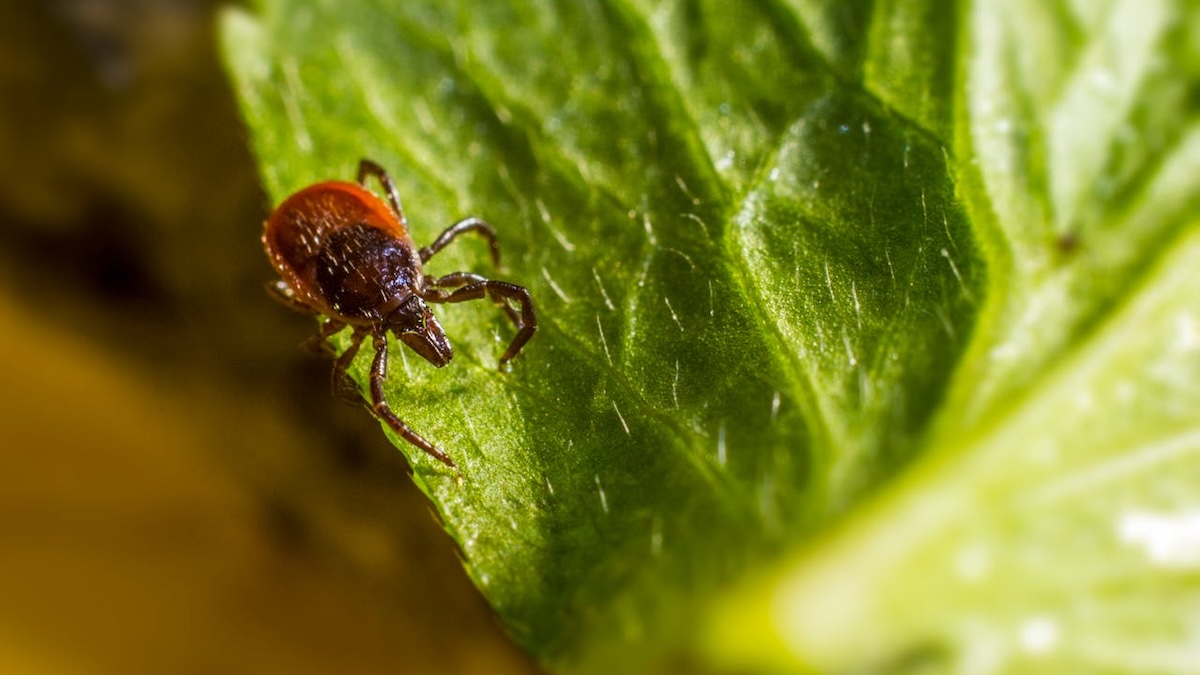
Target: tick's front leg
368, 168
484, 229
384, 411
319, 343
500, 291
341, 384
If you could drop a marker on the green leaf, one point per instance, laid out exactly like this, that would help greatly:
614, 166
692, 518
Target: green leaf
869, 330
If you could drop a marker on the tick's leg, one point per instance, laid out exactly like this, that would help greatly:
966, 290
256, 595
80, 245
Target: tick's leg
341, 384
464, 225
316, 344
378, 374
319, 343
459, 279
282, 293
368, 168
526, 321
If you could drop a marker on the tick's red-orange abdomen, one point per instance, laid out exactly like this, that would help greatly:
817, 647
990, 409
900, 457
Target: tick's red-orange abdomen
343, 251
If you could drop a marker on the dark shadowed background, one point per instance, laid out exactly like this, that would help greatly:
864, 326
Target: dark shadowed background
178, 491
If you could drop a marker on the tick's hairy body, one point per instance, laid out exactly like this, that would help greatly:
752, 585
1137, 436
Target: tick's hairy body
345, 254
342, 253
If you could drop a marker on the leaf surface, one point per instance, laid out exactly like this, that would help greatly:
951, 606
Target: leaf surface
818, 284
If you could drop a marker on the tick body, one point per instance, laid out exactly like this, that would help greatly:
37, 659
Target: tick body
346, 254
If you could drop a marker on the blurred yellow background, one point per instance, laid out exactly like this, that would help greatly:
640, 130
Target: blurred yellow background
179, 493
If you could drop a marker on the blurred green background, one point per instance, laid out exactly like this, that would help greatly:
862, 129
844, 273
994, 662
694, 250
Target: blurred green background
179, 493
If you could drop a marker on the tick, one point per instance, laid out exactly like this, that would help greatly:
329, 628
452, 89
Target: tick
345, 254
